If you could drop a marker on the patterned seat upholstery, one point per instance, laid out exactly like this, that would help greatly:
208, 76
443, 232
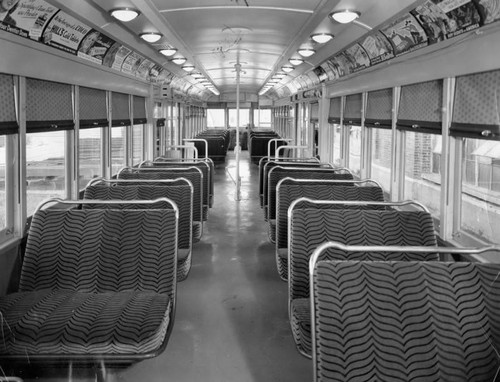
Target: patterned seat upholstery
195, 177
406, 321
182, 195
278, 173
289, 190
95, 284
310, 227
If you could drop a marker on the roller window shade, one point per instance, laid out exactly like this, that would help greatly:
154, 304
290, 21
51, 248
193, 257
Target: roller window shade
315, 112
334, 113
420, 107
379, 109
139, 110
8, 120
120, 113
352, 111
93, 110
48, 106
476, 111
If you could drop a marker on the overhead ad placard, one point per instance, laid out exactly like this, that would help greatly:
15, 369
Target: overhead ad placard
64, 32
26, 18
94, 46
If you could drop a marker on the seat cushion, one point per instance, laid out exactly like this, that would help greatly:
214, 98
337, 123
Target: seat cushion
65, 322
301, 325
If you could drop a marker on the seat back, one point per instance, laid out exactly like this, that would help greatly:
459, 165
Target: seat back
310, 227
405, 321
101, 250
182, 195
290, 189
279, 172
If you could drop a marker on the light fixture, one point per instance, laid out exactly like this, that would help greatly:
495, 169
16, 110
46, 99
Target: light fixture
124, 14
150, 36
306, 52
197, 75
321, 38
168, 51
287, 68
179, 60
188, 68
295, 61
345, 16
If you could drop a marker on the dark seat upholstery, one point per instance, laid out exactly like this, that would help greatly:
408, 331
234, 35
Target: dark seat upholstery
310, 227
181, 195
406, 321
290, 189
96, 284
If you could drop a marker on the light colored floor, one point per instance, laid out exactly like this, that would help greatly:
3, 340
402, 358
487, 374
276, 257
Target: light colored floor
231, 322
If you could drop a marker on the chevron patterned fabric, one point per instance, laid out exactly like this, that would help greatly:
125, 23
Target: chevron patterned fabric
287, 193
181, 195
312, 227
194, 178
108, 277
406, 321
280, 173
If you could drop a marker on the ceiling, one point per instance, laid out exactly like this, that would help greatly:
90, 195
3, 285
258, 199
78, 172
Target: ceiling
215, 35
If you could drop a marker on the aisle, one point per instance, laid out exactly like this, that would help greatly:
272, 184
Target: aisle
232, 319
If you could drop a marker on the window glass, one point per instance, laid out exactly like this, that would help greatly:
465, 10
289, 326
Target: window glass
336, 136
244, 117
45, 170
355, 150
480, 200
3, 199
90, 142
262, 118
422, 170
118, 138
137, 143
381, 145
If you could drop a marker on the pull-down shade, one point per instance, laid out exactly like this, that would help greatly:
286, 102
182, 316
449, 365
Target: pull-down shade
8, 120
120, 113
334, 113
352, 111
379, 109
314, 112
420, 107
476, 111
48, 106
93, 110
139, 110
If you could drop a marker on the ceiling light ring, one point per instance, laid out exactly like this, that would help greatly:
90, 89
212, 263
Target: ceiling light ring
179, 60
322, 38
296, 61
124, 14
151, 37
287, 68
168, 52
306, 52
344, 16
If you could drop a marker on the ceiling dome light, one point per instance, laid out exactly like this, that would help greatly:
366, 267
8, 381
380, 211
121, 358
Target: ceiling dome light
168, 51
322, 38
306, 52
179, 60
188, 68
124, 14
197, 75
295, 61
287, 69
150, 36
344, 16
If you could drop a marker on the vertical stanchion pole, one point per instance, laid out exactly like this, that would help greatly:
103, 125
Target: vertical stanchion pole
237, 146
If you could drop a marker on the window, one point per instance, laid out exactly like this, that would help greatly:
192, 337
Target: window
355, 150
381, 148
480, 198
335, 131
244, 117
90, 143
118, 141
262, 118
215, 118
45, 172
422, 170
137, 143
3, 200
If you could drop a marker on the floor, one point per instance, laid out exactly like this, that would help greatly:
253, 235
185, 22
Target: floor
231, 321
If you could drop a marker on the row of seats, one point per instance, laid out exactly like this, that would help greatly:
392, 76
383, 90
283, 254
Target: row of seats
369, 295
99, 275
215, 141
258, 144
